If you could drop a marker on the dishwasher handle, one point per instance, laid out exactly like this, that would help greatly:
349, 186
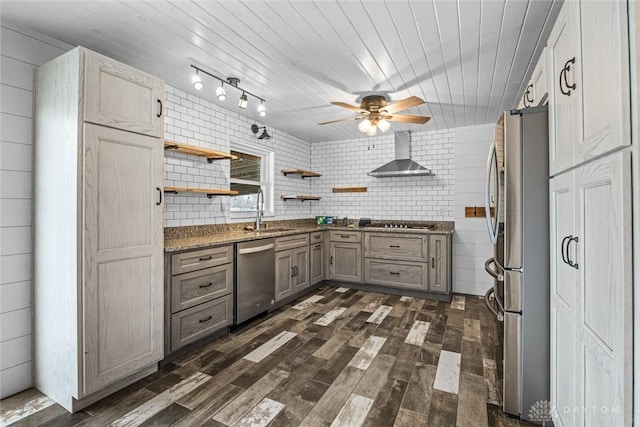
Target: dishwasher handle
263, 248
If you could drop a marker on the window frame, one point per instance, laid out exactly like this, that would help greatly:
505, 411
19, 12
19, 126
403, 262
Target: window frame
267, 179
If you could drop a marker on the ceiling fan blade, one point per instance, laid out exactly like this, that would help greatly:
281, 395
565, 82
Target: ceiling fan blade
403, 104
339, 120
408, 118
347, 106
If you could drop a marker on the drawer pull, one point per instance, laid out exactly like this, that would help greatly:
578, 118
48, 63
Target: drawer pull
394, 273
317, 237
345, 236
206, 286
433, 263
318, 246
205, 320
394, 246
205, 258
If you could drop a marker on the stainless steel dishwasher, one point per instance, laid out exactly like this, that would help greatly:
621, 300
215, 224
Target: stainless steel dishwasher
255, 278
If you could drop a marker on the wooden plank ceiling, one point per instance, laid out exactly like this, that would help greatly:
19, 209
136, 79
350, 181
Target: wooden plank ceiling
467, 58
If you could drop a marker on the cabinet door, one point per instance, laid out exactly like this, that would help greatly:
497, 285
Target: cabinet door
122, 97
301, 267
345, 262
563, 284
605, 78
438, 263
317, 263
604, 310
284, 274
566, 103
540, 91
122, 236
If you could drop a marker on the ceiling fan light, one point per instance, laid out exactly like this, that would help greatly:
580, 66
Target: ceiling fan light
372, 131
364, 125
262, 110
243, 101
384, 125
196, 81
220, 93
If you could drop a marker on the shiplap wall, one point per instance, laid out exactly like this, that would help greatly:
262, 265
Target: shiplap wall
471, 244
21, 51
196, 121
346, 163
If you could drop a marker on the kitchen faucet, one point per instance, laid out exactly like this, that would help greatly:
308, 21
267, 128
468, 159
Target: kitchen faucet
259, 208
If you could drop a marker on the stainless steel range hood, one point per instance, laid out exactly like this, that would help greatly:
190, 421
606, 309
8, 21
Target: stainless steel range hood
402, 165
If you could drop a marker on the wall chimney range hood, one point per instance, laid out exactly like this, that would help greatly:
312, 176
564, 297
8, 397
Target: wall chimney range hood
402, 165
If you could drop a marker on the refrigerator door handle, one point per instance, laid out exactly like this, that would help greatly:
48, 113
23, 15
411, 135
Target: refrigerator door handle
492, 165
495, 312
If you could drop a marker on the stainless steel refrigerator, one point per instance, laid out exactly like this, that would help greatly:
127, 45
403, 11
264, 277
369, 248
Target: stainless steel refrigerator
519, 196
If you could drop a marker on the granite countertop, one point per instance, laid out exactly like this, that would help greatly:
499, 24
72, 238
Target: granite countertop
187, 238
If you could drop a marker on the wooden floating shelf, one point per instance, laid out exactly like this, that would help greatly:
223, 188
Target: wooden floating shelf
210, 155
302, 198
349, 189
303, 173
210, 192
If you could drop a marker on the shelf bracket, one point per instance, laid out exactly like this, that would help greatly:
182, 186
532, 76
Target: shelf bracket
170, 147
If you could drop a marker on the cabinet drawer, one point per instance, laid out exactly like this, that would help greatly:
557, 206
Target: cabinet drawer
199, 321
289, 242
408, 275
197, 260
345, 236
316, 237
395, 246
190, 289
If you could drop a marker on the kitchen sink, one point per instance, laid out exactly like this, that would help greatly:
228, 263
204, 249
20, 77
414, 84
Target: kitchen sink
271, 230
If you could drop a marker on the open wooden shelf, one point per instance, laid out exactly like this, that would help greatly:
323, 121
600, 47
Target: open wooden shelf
210, 192
301, 198
303, 173
210, 155
349, 189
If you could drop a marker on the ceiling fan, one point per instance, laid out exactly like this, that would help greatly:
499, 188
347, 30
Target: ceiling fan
375, 113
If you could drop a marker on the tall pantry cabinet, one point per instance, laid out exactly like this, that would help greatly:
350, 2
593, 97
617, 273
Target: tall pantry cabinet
591, 216
98, 245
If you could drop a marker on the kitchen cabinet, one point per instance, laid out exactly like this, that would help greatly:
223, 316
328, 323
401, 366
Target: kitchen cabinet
98, 263
590, 100
536, 92
200, 289
292, 272
317, 271
345, 256
591, 292
440, 263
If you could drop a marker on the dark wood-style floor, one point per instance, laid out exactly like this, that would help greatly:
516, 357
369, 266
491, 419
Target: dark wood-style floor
335, 357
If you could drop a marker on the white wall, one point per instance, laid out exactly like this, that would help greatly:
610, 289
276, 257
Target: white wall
196, 121
346, 163
471, 244
21, 51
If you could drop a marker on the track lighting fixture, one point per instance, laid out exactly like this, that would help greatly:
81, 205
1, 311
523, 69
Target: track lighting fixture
255, 129
243, 101
221, 94
196, 81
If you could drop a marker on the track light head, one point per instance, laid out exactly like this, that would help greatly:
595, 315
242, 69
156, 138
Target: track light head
262, 109
196, 81
220, 93
243, 101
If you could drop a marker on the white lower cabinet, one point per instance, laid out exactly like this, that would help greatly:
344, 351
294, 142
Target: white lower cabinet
591, 294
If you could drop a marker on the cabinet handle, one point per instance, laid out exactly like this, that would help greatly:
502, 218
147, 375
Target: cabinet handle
206, 286
527, 98
571, 263
433, 262
331, 260
159, 112
344, 236
316, 237
394, 273
564, 257
205, 258
205, 320
159, 202
318, 246
563, 76
394, 246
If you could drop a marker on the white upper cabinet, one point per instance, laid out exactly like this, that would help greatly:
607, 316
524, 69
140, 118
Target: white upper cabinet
590, 99
539, 92
119, 96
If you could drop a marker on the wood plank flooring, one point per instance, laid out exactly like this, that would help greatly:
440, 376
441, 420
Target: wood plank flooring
338, 357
